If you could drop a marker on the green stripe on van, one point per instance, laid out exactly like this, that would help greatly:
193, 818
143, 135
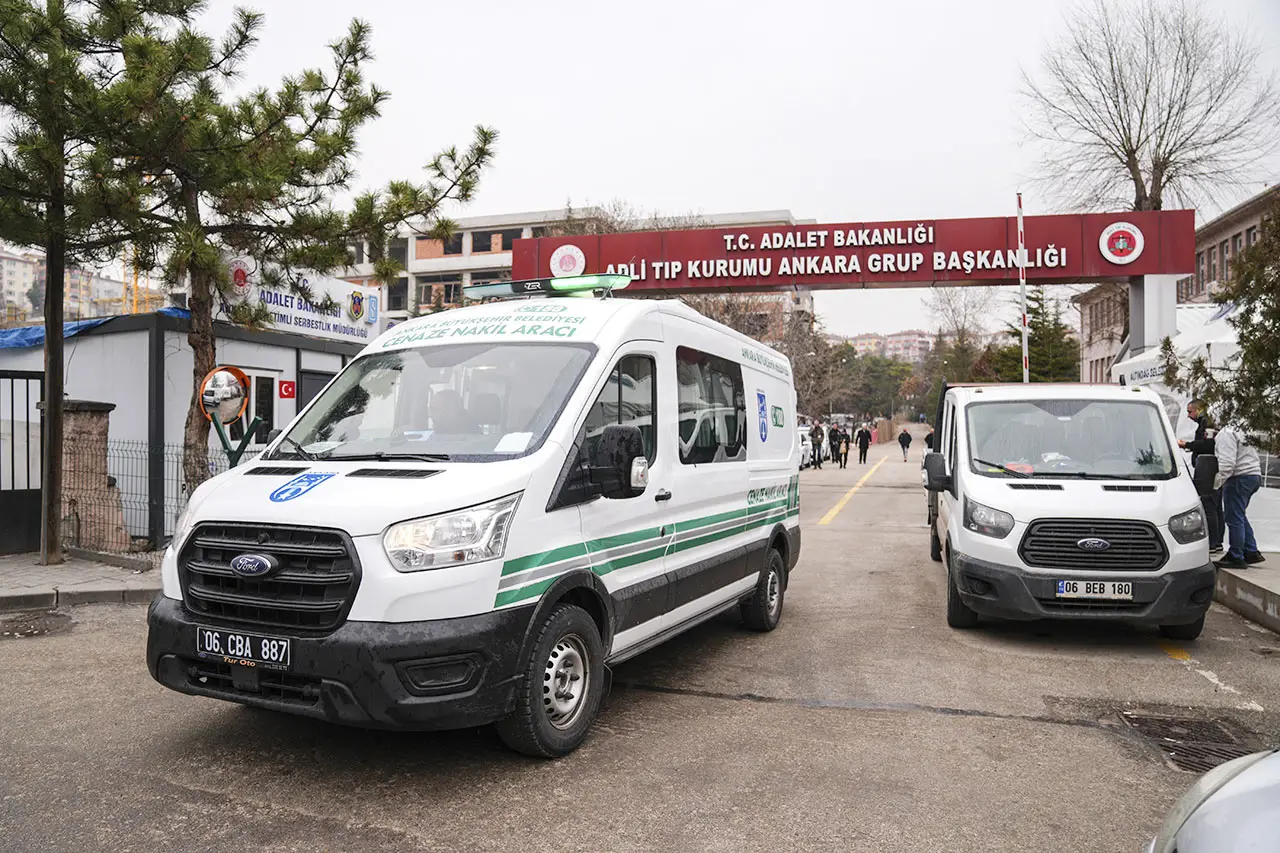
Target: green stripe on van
543, 558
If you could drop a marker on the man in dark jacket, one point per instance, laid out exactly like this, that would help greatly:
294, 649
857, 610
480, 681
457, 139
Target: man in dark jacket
834, 436
1203, 445
815, 437
863, 439
904, 441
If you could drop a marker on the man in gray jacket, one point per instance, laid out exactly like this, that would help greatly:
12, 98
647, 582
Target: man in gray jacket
1239, 476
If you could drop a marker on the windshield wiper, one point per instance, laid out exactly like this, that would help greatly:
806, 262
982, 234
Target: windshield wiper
1008, 471
298, 448
382, 455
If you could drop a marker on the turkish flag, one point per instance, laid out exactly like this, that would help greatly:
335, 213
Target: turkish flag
288, 390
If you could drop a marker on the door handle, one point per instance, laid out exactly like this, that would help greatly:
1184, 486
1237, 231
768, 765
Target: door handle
662, 495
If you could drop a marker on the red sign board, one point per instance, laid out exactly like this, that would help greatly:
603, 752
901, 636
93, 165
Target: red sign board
1060, 249
288, 390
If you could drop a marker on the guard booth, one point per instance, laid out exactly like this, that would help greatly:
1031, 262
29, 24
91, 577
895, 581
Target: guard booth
21, 434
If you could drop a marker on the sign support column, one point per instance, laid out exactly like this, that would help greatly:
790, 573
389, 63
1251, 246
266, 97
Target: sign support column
1022, 289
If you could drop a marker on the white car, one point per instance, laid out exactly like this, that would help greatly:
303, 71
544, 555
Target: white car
1066, 502
1234, 807
806, 447
485, 508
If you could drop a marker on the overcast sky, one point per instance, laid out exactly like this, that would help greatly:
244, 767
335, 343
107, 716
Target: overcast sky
839, 111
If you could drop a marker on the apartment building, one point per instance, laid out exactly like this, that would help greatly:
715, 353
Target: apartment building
435, 271
17, 275
910, 346
868, 344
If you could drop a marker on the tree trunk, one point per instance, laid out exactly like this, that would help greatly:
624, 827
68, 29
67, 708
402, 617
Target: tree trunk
55, 266
195, 434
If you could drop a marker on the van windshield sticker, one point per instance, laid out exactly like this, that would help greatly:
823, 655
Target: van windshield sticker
513, 442
766, 361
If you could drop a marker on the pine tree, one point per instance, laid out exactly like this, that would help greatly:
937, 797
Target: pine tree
254, 177
67, 183
1053, 354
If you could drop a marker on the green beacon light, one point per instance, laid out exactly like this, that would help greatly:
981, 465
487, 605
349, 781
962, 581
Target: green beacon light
570, 285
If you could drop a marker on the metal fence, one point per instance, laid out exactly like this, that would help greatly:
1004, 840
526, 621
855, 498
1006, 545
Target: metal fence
111, 510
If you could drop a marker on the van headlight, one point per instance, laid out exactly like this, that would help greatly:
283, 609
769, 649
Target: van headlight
1189, 526
980, 518
470, 535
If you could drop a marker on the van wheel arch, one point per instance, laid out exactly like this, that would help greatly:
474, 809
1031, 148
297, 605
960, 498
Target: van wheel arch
581, 588
779, 541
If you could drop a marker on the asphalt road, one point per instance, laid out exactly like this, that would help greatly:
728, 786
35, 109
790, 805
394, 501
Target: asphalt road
863, 723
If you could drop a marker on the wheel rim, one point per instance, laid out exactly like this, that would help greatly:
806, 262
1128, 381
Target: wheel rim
773, 596
565, 681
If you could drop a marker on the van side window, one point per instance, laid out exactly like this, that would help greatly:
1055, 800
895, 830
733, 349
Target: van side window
713, 413
629, 397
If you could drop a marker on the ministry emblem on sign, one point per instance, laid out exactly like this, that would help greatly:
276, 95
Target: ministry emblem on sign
355, 305
1121, 243
568, 260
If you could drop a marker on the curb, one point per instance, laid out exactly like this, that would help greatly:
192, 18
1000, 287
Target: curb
54, 599
1254, 602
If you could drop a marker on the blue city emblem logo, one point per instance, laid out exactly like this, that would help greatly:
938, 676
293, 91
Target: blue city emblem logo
254, 565
762, 411
371, 308
298, 486
1093, 544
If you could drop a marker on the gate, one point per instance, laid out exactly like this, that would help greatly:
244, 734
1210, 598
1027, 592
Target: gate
21, 436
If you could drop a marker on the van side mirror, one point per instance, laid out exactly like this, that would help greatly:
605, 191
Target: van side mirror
619, 467
936, 478
266, 436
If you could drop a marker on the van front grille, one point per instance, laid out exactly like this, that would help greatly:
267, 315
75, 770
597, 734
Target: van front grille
311, 590
1132, 546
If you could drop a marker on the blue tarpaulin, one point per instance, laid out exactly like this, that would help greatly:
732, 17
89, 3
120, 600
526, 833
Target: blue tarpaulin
33, 336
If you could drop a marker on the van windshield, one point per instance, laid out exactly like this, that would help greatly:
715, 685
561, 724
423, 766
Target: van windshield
1090, 439
461, 402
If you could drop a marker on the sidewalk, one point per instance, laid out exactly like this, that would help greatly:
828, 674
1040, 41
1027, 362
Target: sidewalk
1254, 592
26, 585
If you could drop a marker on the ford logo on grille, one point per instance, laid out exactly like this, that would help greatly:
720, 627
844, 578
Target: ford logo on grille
1089, 544
254, 565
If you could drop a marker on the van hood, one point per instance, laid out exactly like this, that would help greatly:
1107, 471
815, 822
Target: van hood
1026, 500
333, 494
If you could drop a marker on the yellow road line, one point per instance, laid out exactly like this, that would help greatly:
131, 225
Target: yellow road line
835, 510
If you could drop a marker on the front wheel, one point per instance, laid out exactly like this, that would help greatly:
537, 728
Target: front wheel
563, 684
959, 614
763, 610
1183, 632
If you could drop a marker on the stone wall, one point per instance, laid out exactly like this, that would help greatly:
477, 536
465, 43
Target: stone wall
92, 511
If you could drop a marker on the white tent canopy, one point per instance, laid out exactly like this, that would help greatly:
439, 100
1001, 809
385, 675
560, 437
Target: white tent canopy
1203, 332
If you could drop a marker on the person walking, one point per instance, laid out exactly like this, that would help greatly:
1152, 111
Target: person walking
1203, 445
904, 440
815, 439
928, 440
864, 441
844, 448
1239, 477
833, 438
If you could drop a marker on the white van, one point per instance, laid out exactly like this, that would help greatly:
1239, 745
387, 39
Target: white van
1066, 502
482, 511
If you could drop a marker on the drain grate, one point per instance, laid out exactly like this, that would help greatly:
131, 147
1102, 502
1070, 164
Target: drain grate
1189, 743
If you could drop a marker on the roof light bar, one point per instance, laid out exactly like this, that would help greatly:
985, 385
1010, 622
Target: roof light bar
553, 286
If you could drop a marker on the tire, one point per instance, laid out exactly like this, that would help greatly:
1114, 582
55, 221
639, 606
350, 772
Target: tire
567, 651
763, 610
1183, 632
959, 614
935, 545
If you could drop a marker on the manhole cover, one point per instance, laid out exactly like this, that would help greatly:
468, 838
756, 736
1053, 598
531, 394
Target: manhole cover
21, 625
1189, 743
1203, 757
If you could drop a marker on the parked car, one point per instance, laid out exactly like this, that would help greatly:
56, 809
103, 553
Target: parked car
1234, 808
806, 447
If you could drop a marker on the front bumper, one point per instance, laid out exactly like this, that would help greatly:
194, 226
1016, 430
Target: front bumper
441, 674
1006, 592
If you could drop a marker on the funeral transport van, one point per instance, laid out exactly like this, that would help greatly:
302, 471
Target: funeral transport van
483, 511
1066, 501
